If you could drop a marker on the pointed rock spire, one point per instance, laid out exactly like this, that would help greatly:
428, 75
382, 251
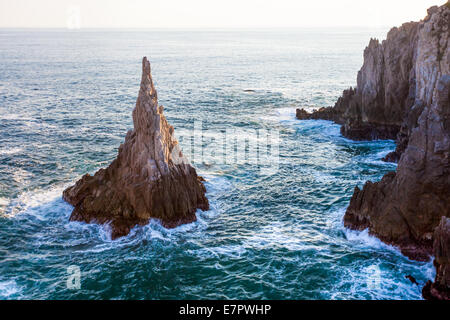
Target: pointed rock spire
150, 178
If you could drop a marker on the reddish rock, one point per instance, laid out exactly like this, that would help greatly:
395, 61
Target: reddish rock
150, 178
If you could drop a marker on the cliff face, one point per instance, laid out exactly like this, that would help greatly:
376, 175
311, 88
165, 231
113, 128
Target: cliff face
409, 208
396, 75
403, 92
150, 178
440, 288
405, 206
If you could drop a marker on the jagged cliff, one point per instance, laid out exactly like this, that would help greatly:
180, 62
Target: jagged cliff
150, 178
439, 289
405, 207
397, 77
403, 92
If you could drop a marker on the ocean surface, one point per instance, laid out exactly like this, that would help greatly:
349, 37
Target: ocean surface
65, 106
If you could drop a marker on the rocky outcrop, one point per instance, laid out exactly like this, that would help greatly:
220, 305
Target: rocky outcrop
440, 288
403, 92
385, 89
150, 178
397, 77
405, 207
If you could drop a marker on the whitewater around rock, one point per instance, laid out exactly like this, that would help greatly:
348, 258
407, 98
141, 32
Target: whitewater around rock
403, 93
150, 178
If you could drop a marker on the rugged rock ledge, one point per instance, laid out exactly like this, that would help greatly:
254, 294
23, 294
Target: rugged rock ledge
403, 92
150, 178
405, 207
440, 288
396, 80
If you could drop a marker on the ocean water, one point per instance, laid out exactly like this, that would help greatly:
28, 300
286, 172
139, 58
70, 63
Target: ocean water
65, 106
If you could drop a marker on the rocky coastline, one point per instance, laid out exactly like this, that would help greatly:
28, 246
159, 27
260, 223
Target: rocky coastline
403, 93
150, 178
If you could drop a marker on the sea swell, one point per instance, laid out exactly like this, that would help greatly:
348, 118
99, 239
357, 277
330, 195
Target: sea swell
277, 236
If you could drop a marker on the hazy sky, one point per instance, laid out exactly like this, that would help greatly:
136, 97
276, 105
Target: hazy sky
210, 13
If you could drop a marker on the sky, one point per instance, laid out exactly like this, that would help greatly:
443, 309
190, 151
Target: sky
181, 14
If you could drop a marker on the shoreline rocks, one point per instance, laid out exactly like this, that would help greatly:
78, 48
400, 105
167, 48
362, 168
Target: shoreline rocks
440, 288
405, 206
150, 178
392, 86
403, 93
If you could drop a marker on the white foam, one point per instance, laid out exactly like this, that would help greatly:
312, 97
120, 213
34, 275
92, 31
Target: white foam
4, 201
20, 175
233, 251
8, 288
32, 202
6, 151
286, 114
363, 237
216, 183
47, 205
280, 235
11, 116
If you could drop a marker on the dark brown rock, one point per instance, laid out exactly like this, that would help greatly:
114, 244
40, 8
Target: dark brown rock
405, 206
150, 178
412, 279
394, 84
440, 288
385, 89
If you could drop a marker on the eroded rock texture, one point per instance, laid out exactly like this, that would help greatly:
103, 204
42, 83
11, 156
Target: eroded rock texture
397, 78
403, 92
405, 207
440, 288
150, 178
409, 208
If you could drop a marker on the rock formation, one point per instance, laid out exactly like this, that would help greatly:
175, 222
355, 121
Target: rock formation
397, 77
150, 178
403, 92
440, 289
405, 206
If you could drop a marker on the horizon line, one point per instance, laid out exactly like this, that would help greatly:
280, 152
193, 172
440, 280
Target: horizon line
195, 28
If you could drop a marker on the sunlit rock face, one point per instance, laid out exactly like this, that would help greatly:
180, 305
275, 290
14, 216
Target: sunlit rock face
150, 178
409, 208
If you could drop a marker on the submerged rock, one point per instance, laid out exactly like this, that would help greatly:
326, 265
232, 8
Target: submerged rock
150, 178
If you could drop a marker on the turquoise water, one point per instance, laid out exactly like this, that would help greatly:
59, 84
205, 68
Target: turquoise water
65, 106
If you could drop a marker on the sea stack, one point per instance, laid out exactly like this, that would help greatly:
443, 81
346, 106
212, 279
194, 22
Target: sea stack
403, 93
150, 178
